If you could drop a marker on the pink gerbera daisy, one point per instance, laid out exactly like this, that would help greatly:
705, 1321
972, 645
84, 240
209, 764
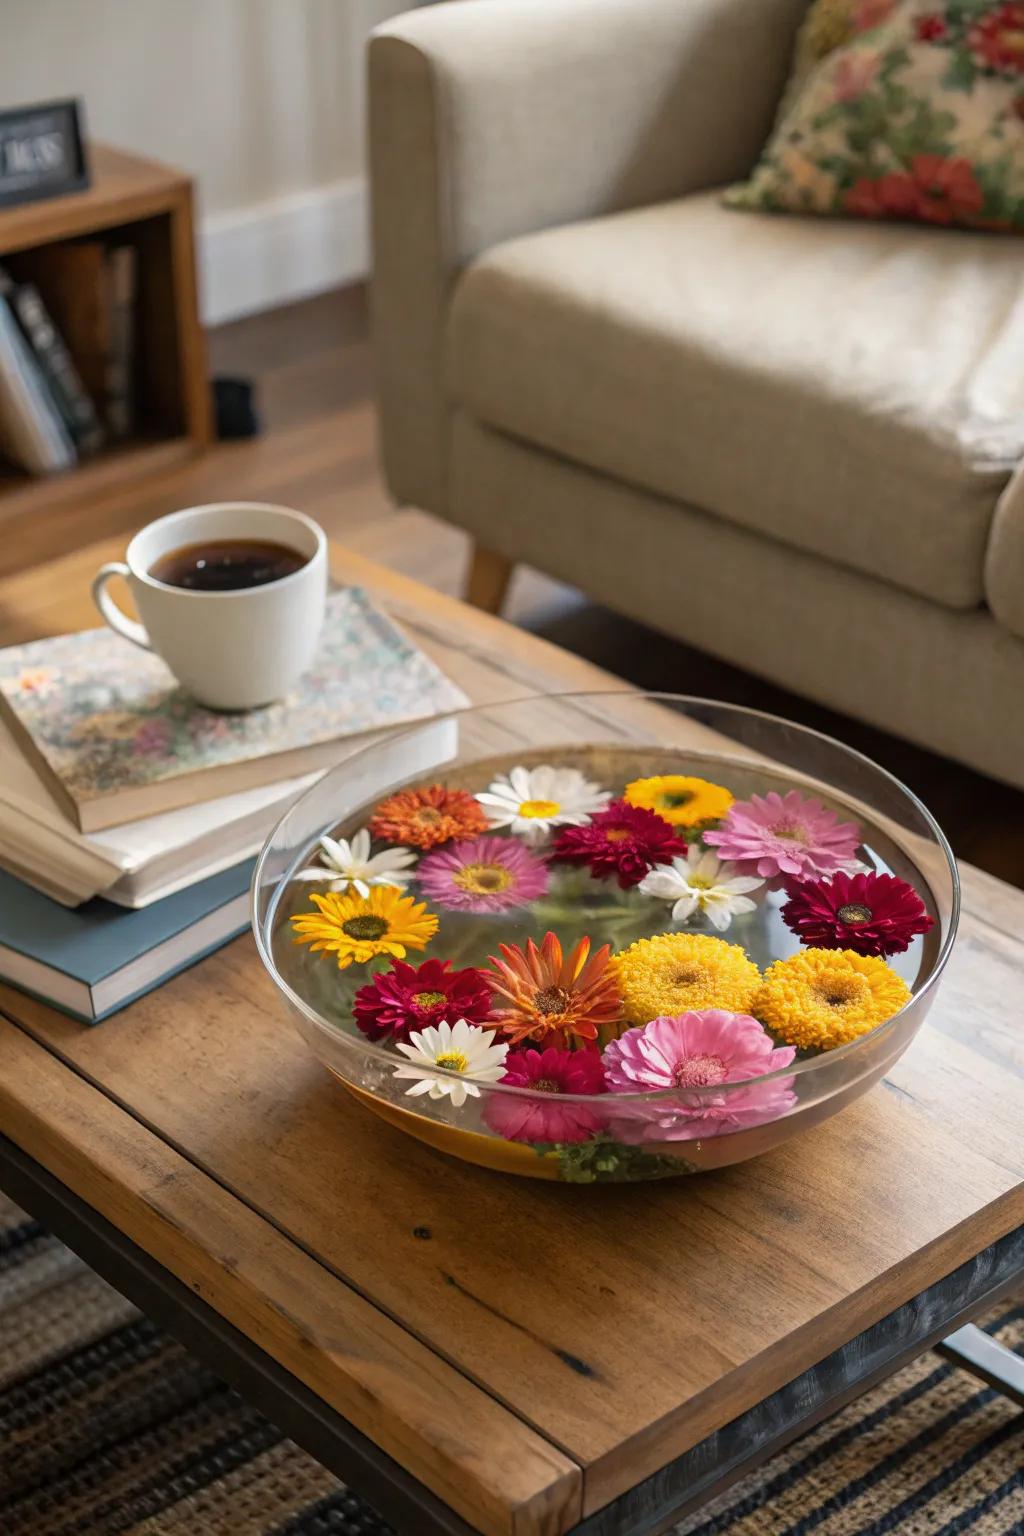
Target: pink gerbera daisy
624, 840
872, 914
522, 1117
785, 835
418, 997
697, 1051
486, 874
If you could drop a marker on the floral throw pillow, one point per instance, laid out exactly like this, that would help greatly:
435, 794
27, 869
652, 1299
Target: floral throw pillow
901, 109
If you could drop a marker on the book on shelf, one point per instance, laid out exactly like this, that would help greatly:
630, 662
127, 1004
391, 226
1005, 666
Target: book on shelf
56, 365
121, 277
96, 959
115, 739
33, 435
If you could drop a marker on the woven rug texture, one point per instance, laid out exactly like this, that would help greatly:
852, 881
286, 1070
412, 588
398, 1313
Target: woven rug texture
110, 1428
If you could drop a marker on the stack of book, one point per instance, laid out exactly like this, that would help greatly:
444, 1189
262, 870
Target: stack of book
67, 350
130, 816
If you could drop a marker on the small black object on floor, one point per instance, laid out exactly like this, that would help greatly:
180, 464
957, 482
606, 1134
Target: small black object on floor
234, 409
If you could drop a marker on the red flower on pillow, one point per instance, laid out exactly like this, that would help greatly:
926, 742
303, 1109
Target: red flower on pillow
997, 38
871, 13
931, 29
935, 190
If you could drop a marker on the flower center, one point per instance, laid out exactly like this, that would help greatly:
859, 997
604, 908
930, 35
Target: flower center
453, 1060
551, 1000
790, 831
698, 1071
672, 799
698, 882
535, 809
689, 975
854, 912
428, 999
837, 991
616, 835
545, 1085
482, 879
427, 816
365, 927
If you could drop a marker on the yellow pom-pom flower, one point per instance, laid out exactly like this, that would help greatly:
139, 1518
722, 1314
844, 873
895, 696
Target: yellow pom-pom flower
679, 799
821, 998
358, 928
675, 972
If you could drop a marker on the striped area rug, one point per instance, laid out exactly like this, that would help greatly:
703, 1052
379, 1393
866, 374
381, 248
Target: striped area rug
108, 1427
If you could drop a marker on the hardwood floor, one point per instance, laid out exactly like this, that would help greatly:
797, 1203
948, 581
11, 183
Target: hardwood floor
312, 366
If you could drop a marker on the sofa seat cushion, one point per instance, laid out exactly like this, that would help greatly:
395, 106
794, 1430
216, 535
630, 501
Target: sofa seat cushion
852, 390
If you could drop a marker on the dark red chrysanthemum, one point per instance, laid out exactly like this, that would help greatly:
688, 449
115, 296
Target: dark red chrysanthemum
871, 914
623, 840
412, 997
521, 1118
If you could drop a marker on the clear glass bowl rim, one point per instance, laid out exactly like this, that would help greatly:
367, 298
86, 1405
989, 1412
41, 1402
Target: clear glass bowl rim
676, 1096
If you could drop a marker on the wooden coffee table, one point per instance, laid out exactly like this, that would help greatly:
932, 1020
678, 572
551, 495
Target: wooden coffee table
478, 1353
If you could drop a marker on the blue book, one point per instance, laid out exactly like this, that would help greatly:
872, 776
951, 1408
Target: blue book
92, 960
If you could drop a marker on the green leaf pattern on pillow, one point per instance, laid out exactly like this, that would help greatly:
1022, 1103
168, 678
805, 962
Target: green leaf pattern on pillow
908, 109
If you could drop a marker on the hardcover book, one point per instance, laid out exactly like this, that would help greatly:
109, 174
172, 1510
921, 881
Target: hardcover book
115, 738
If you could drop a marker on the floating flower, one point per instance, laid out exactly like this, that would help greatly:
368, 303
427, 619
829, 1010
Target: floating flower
821, 998
682, 800
464, 1048
551, 996
350, 863
785, 835
487, 874
873, 914
623, 840
531, 801
698, 1050
677, 972
521, 1118
426, 817
412, 997
699, 882
358, 928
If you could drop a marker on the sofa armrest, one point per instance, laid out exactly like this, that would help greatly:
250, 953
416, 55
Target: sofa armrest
494, 118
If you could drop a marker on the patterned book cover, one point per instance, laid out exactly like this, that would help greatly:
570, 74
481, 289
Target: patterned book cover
107, 720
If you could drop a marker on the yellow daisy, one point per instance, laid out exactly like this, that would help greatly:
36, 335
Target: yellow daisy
675, 972
681, 800
357, 928
821, 998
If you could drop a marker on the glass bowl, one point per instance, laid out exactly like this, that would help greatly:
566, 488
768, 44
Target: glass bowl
612, 739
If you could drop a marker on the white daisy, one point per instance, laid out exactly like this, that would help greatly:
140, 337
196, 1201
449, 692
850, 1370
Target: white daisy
530, 801
462, 1048
700, 882
349, 863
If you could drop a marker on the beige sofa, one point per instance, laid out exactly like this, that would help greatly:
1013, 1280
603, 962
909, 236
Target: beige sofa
790, 442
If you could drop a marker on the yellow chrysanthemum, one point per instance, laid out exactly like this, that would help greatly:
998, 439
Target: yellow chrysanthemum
821, 998
675, 972
680, 799
356, 928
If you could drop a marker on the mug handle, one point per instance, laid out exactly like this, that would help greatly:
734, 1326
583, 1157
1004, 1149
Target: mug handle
118, 621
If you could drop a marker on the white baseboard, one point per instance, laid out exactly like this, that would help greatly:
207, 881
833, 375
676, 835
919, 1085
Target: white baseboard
283, 250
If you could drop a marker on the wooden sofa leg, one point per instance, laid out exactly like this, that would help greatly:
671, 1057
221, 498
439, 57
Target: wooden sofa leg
488, 579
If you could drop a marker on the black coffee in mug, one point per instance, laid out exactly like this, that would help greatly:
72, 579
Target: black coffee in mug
226, 565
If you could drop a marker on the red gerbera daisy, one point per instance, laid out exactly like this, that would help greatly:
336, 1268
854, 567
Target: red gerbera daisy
521, 1118
624, 840
871, 914
412, 997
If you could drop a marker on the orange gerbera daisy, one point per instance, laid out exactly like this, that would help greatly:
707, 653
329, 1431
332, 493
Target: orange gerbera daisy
423, 818
552, 997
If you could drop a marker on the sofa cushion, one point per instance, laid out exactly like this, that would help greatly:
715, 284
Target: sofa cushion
853, 390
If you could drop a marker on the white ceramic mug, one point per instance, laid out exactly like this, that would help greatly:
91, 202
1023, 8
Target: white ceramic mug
231, 650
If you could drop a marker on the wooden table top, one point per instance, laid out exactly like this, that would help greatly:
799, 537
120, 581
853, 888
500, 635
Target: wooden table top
543, 1347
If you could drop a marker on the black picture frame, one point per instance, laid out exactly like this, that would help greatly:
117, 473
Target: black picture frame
42, 152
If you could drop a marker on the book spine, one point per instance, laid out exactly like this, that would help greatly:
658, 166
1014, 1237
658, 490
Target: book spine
121, 331
32, 432
57, 368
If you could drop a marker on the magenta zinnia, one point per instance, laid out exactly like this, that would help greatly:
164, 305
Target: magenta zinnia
871, 914
416, 997
623, 840
523, 1117
785, 835
486, 874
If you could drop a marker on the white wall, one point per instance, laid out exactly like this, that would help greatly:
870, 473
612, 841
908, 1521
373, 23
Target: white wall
261, 100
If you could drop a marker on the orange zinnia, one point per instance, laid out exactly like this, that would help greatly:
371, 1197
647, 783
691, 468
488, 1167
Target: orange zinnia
553, 997
423, 818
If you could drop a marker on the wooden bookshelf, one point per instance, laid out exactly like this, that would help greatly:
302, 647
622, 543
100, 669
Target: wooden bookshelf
150, 206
